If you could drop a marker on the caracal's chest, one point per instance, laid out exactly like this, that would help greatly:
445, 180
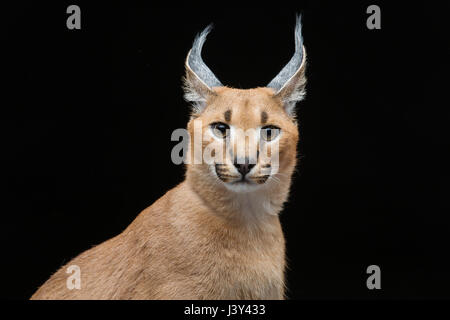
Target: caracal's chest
246, 270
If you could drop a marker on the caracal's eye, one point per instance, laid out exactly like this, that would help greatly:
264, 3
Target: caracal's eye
270, 132
220, 129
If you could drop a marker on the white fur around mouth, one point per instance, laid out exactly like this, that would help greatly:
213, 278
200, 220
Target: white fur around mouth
243, 182
243, 186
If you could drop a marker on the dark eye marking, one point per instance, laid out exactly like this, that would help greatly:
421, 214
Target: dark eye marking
264, 117
227, 115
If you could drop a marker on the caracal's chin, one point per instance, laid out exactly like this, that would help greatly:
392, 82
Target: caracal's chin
244, 186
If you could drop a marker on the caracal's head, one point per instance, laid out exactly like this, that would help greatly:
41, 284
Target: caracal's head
244, 140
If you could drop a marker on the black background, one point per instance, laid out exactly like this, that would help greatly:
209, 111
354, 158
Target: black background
88, 116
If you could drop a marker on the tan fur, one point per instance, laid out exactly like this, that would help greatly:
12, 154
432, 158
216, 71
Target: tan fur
200, 240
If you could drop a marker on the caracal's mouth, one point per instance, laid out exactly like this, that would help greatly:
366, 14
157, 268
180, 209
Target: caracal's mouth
239, 181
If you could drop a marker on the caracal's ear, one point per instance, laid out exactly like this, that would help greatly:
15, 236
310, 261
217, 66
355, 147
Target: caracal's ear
289, 84
199, 79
